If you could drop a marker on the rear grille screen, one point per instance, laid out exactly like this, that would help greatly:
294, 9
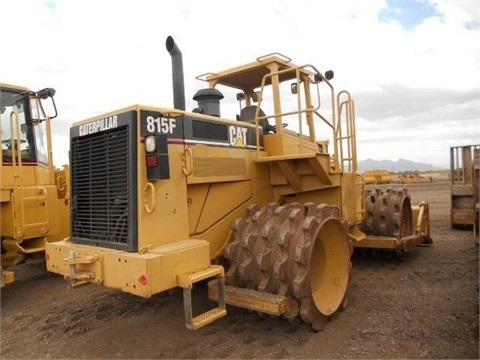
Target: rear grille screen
103, 189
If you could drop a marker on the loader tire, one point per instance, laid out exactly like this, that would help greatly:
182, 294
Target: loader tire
301, 252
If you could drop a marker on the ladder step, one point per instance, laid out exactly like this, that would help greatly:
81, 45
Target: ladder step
206, 318
187, 280
34, 249
251, 299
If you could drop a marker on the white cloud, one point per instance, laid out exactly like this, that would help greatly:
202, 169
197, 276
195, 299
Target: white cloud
103, 55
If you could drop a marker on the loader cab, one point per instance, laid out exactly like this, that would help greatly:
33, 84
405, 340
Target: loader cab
23, 127
34, 202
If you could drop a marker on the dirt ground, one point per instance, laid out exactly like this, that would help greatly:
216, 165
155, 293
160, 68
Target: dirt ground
425, 307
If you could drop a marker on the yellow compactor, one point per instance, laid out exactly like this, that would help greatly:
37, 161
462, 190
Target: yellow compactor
34, 197
164, 197
377, 177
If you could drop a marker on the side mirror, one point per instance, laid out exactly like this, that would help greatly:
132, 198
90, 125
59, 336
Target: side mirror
46, 93
42, 105
294, 88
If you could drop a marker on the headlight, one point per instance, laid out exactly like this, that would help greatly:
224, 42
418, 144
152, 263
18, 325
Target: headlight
150, 144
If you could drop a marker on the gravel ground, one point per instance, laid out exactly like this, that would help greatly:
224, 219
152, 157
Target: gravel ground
425, 307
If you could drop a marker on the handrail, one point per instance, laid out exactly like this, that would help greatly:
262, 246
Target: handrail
350, 158
203, 77
15, 147
320, 116
266, 56
310, 111
48, 129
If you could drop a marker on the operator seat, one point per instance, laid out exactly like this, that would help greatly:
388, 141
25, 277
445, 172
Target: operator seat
247, 114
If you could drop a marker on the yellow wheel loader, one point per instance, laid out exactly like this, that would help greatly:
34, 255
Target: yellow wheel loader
34, 195
266, 204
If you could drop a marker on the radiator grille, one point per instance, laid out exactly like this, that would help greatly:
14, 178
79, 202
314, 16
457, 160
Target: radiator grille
100, 188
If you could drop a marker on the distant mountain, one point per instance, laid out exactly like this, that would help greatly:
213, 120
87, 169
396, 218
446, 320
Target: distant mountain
394, 166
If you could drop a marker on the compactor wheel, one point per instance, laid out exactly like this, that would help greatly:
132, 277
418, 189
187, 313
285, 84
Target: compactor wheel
245, 233
301, 252
403, 219
389, 213
402, 213
369, 225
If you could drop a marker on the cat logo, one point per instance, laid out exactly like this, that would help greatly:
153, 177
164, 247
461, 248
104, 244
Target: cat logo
238, 136
98, 125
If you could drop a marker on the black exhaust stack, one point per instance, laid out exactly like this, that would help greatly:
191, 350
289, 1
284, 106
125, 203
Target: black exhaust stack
177, 74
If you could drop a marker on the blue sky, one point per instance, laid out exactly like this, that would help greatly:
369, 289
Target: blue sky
409, 13
413, 67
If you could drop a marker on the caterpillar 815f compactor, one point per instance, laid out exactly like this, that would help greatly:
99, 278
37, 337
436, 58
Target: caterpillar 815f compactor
161, 197
34, 197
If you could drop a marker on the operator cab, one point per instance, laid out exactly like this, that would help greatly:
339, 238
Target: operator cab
22, 124
284, 100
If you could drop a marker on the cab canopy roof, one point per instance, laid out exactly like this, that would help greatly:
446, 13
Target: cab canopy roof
13, 87
250, 76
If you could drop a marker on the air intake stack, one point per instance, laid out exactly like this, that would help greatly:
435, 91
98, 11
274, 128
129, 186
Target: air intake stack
208, 101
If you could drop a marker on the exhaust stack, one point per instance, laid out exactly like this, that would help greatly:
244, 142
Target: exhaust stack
177, 74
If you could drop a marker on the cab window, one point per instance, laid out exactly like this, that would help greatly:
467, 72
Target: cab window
16, 130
